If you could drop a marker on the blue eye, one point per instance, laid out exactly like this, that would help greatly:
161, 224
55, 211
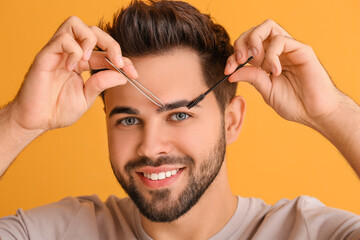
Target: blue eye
179, 116
128, 121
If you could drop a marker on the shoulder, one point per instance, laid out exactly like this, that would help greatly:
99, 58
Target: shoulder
297, 204
307, 218
82, 216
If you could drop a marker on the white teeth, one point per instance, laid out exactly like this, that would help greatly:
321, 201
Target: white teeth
160, 175
154, 176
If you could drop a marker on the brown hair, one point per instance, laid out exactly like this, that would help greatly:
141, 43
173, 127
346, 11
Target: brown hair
154, 27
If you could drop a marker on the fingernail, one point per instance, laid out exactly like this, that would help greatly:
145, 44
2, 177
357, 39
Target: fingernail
227, 68
120, 61
88, 54
254, 51
133, 70
238, 56
273, 70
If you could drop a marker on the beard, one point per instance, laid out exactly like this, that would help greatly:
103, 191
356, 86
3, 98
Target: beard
161, 207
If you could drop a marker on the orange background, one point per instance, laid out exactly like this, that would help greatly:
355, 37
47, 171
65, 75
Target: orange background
272, 159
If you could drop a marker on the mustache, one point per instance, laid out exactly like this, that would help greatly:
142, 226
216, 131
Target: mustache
165, 160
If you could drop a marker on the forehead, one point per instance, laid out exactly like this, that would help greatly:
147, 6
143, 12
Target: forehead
172, 76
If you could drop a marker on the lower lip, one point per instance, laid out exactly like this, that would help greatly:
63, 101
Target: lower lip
160, 183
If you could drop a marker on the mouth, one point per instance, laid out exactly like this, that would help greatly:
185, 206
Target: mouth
159, 177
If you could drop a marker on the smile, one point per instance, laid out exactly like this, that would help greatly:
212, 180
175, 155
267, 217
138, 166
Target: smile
160, 175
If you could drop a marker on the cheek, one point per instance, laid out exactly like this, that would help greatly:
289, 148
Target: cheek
195, 139
121, 147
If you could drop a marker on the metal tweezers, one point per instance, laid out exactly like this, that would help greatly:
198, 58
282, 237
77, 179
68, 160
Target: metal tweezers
149, 95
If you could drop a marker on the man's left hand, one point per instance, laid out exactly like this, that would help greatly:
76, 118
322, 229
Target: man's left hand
286, 72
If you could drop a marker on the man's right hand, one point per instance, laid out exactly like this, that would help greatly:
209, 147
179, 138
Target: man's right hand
54, 94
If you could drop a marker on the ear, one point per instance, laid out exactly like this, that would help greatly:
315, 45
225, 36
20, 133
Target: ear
234, 115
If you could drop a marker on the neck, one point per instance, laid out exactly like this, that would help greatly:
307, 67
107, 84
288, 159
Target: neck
214, 209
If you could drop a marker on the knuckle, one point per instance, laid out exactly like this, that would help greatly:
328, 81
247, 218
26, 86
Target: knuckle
91, 39
255, 32
275, 27
253, 37
72, 19
279, 38
254, 29
270, 21
251, 30
115, 45
63, 36
308, 48
74, 49
94, 28
238, 42
241, 38
76, 54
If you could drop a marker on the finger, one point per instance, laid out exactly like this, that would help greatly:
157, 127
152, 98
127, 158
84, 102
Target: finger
231, 65
63, 43
241, 47
99, 82
255, 47
278, 47
81, 33
252, 42
256, 77
272, 61
108, 44
269, 29
129, 68
97, 61
257, 39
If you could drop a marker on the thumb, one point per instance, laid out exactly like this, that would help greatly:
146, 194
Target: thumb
256, 77
99, 82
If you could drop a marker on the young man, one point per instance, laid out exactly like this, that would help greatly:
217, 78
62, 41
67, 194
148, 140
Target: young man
171, 160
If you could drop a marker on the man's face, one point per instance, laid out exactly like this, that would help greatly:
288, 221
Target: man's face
165, 158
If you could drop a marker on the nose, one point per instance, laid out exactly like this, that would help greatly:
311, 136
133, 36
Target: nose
154, 141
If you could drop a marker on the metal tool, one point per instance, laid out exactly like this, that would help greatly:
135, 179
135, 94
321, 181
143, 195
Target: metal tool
149, 95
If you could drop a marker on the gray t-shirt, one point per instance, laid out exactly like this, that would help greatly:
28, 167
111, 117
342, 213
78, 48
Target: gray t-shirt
90, 218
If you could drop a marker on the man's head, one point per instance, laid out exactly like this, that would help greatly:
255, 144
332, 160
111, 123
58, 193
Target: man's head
159, 26
167, 158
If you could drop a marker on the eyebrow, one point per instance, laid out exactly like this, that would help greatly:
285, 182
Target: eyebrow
173, 105
167, 107
128, 110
